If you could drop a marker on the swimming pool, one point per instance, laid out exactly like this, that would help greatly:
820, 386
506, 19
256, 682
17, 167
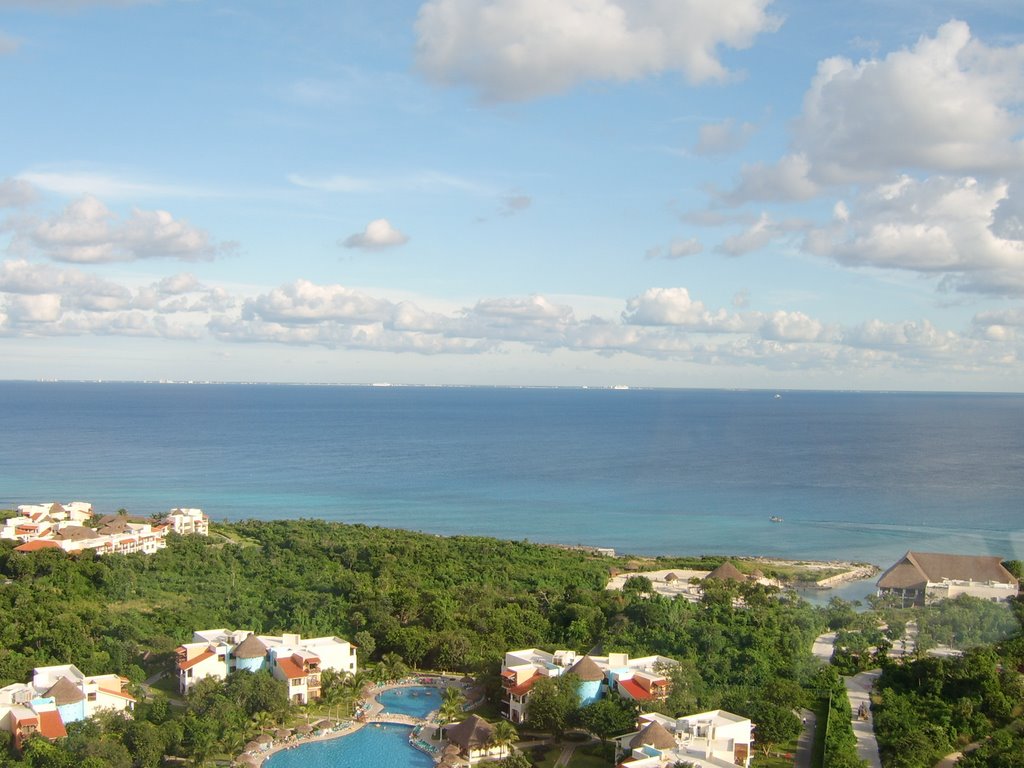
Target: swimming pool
415, 700
383, 746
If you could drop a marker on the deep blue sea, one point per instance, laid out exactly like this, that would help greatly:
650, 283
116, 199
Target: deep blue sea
854, 475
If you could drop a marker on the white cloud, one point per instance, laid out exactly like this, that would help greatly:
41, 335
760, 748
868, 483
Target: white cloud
422, 181
307, 302
15, 193
760, 234
949, 104
38, 308
675, 307
511, 50
86, 231
336, 183
106, 186
76, 289
787, 180
723, 137
378, 234
940, 225
677, 249
791, 326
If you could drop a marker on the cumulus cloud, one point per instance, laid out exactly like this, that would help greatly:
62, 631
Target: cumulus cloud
307, 302
791, 326
512, 50
939, 225
378, 234
677, 249
723, 137
786, 180
86, 231
949, 104
15, 193
675, 307
757, 236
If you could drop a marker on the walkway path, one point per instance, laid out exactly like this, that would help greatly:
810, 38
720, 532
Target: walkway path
805, 743
858, 690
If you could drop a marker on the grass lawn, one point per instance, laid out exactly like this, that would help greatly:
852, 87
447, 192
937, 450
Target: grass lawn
588, 756
169, 685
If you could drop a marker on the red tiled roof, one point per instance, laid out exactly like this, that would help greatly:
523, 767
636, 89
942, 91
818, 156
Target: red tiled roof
37, 544
290, 669
195, 660
509, 673
526, 685
635, 690
51, 726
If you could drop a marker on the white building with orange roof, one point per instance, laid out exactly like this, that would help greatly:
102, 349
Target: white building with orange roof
186, 521
711, 739
295, 660
63, 526
58, 695
641, 679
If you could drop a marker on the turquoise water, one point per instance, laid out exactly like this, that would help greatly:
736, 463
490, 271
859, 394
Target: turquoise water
385, 746
855, 475
416, 700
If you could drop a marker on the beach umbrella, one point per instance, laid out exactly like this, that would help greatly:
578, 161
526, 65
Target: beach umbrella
304, 729
264, 738
252, 746
282, 733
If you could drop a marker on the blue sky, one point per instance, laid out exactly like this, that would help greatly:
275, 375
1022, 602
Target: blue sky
737, 193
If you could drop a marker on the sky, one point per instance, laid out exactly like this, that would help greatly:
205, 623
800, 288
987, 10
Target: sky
799, 194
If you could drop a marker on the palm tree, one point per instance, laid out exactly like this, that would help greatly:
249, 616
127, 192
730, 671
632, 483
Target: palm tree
451, 706
505, 734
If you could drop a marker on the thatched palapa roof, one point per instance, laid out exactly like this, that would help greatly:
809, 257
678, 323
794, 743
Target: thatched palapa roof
64, 691
654, 735
916, 569
250, 648
473, 732
726, 572
586, 669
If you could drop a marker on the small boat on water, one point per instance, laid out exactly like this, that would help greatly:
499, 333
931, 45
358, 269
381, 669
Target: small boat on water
775, 519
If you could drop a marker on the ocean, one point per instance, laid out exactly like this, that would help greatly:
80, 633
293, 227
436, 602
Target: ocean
861, 476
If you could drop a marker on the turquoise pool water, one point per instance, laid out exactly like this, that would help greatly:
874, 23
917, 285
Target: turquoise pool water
385, 746
416, 700
374, 746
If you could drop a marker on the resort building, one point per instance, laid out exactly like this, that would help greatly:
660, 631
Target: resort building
296, 661
924, 577
643, 679
62, 526
188, 522
56, 696
715, 739
474, 737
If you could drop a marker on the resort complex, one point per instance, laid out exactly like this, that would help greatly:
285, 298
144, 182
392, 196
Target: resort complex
295, 660
925, 577
639, 680
706, 740
56, 696
63, 526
